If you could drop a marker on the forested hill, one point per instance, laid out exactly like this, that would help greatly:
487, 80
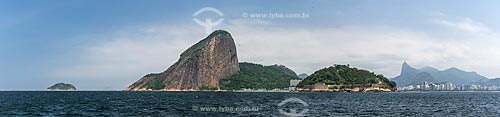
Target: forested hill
346, 76
256, 76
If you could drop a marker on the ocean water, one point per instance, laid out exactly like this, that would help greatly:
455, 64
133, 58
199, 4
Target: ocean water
215, 104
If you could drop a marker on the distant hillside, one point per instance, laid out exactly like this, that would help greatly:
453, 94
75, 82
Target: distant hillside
412, 76
303, 75
489, 82
347, 76
256, 76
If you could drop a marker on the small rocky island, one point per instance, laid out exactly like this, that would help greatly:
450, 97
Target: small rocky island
62, 87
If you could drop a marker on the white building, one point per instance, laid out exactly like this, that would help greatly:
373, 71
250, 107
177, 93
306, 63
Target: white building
293, 84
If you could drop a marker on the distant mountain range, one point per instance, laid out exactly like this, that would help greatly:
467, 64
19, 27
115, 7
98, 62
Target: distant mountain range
302, 75
413, 76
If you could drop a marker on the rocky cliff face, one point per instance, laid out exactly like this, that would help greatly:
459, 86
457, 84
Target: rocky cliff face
200, 66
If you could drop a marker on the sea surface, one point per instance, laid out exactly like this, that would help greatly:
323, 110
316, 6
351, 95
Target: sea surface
217, 104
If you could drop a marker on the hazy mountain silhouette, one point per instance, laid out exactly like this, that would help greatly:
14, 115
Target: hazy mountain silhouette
413, 76
303, 75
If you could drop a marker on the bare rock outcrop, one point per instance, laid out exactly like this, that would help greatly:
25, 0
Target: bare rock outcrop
201, 66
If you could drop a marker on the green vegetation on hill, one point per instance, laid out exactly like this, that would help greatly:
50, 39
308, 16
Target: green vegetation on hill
346, 76
255, 76
156, 83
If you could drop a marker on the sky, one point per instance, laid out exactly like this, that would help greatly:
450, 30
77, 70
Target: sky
108, 45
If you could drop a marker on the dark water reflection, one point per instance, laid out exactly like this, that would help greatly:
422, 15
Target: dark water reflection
83, 103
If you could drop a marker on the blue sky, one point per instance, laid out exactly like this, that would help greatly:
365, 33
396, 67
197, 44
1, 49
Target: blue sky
109, 44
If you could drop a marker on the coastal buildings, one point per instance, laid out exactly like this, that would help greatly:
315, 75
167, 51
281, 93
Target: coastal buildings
293, 84
430, 86
320, 87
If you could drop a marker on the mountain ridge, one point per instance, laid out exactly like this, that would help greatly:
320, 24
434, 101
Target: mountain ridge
413, 76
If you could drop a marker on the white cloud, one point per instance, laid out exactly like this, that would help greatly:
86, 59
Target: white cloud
475, 44
466, 24
378, 48
128, 55
132, 53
